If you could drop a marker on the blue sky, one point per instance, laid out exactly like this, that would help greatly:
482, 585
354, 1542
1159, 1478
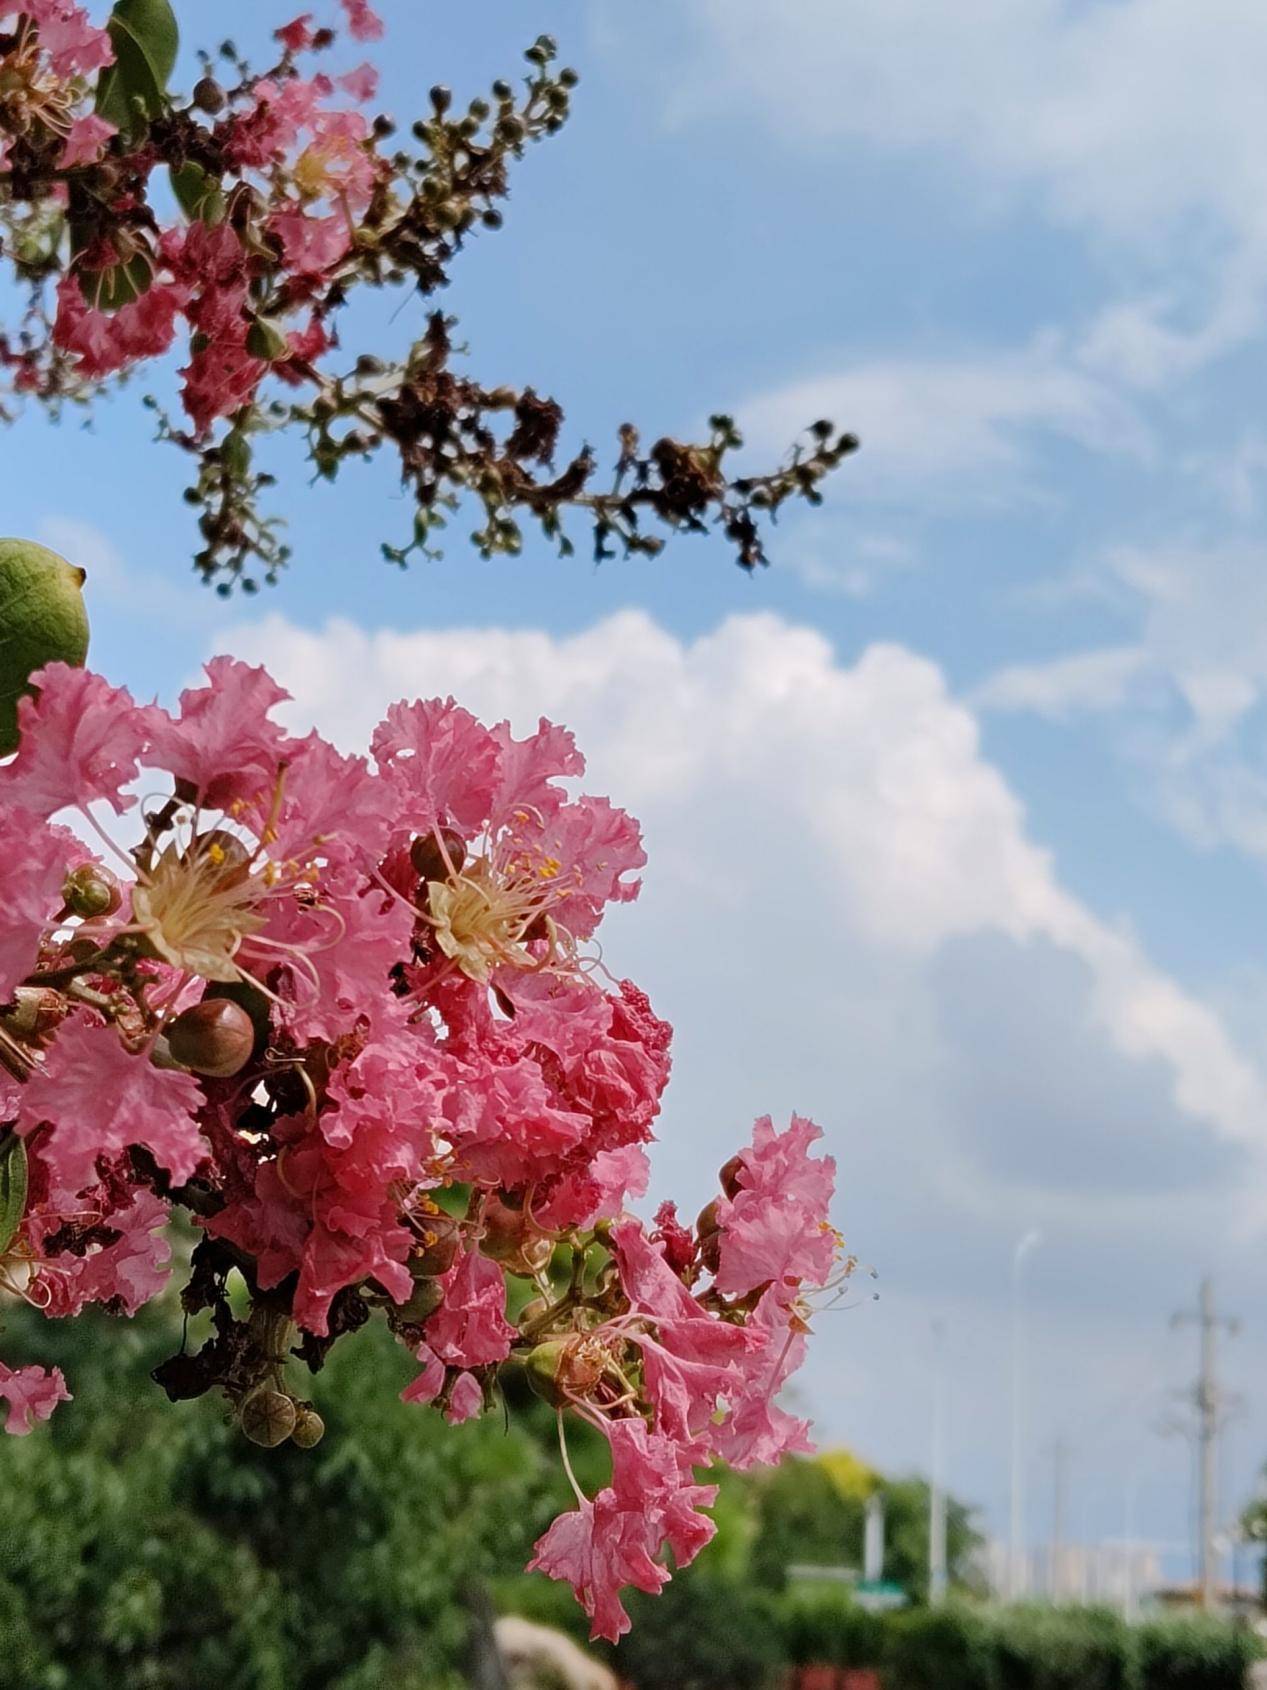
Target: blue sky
958, 813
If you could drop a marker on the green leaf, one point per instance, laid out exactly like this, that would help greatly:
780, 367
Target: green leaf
110, 290
145, 40
199, 195
12, 1188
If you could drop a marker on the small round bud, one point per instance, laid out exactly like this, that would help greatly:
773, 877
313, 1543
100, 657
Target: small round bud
563, 1368
510, 1237
214, 1037
708, 1229
268, 1417
226, 853
441, 98
502, 90
436, 858
209, 96
439, 1247
729, 1176
91, 891
310, 1428
422, 1303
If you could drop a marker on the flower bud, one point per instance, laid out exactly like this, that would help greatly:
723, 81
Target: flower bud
227, 853
91, 891
209, 96
268, 1417
439, 1246
214, 1037
510, 1237
310, 1428
563, 1368
429, 860
423, 1302
729, 1176
708, 1229
267, 341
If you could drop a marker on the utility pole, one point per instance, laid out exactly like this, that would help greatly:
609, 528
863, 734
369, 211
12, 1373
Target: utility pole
1208, 1400
1056, 1552
1016, 1533
937, 1483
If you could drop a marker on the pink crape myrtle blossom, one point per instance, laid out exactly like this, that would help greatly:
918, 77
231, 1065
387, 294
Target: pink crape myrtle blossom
32, 1394
613, 1541
350, 1014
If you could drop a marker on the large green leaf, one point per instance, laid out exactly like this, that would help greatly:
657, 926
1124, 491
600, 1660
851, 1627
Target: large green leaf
145, 40
199, 195
12, 1188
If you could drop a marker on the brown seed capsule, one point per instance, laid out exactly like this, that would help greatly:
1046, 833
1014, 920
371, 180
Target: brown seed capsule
310, 1428
429, 860
214, 1037
511, 1238
91, 891
708, 1229
729, 1176
268, 1417
209, 96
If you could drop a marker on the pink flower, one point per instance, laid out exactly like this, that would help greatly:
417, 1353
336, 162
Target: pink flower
222, 744
35, 861
99, 1100
361, 83
86, 141
470, 1328
430, 1382
32, 1394
756, 1432
775, 1230
104, 342
443, 764
80, 741
75, 46
611, 1542
311, 245
364, 24
124, 1267
466, 1400
296, 36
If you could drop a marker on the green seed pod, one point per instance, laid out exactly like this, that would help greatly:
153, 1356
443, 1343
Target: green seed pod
562, 1368
42, 620
268, 1417
91, 891
310, 1428
214, 1037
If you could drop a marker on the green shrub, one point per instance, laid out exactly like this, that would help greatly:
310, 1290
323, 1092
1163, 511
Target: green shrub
827, 1627
938, 1649
701, 1633
1194, 1654
1061, 1649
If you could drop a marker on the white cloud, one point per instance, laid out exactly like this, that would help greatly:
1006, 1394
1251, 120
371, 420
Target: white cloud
1139, 123
1063, 687
959, 428
777, 783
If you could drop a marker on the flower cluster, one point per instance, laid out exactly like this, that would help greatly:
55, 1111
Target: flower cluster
350, 1016
232, 225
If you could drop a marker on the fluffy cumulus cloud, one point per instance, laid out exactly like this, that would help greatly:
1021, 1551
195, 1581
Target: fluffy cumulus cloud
845, 913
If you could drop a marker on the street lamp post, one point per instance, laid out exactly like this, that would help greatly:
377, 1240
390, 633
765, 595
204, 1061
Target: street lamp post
1028, 1242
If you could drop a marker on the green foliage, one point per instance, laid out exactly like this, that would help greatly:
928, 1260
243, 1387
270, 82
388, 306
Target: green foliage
701, 1633
145, 38
150, 1547
13, 1182
828, 1628
938, 1649
1194, 1654
804, 1517
1060, 1649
